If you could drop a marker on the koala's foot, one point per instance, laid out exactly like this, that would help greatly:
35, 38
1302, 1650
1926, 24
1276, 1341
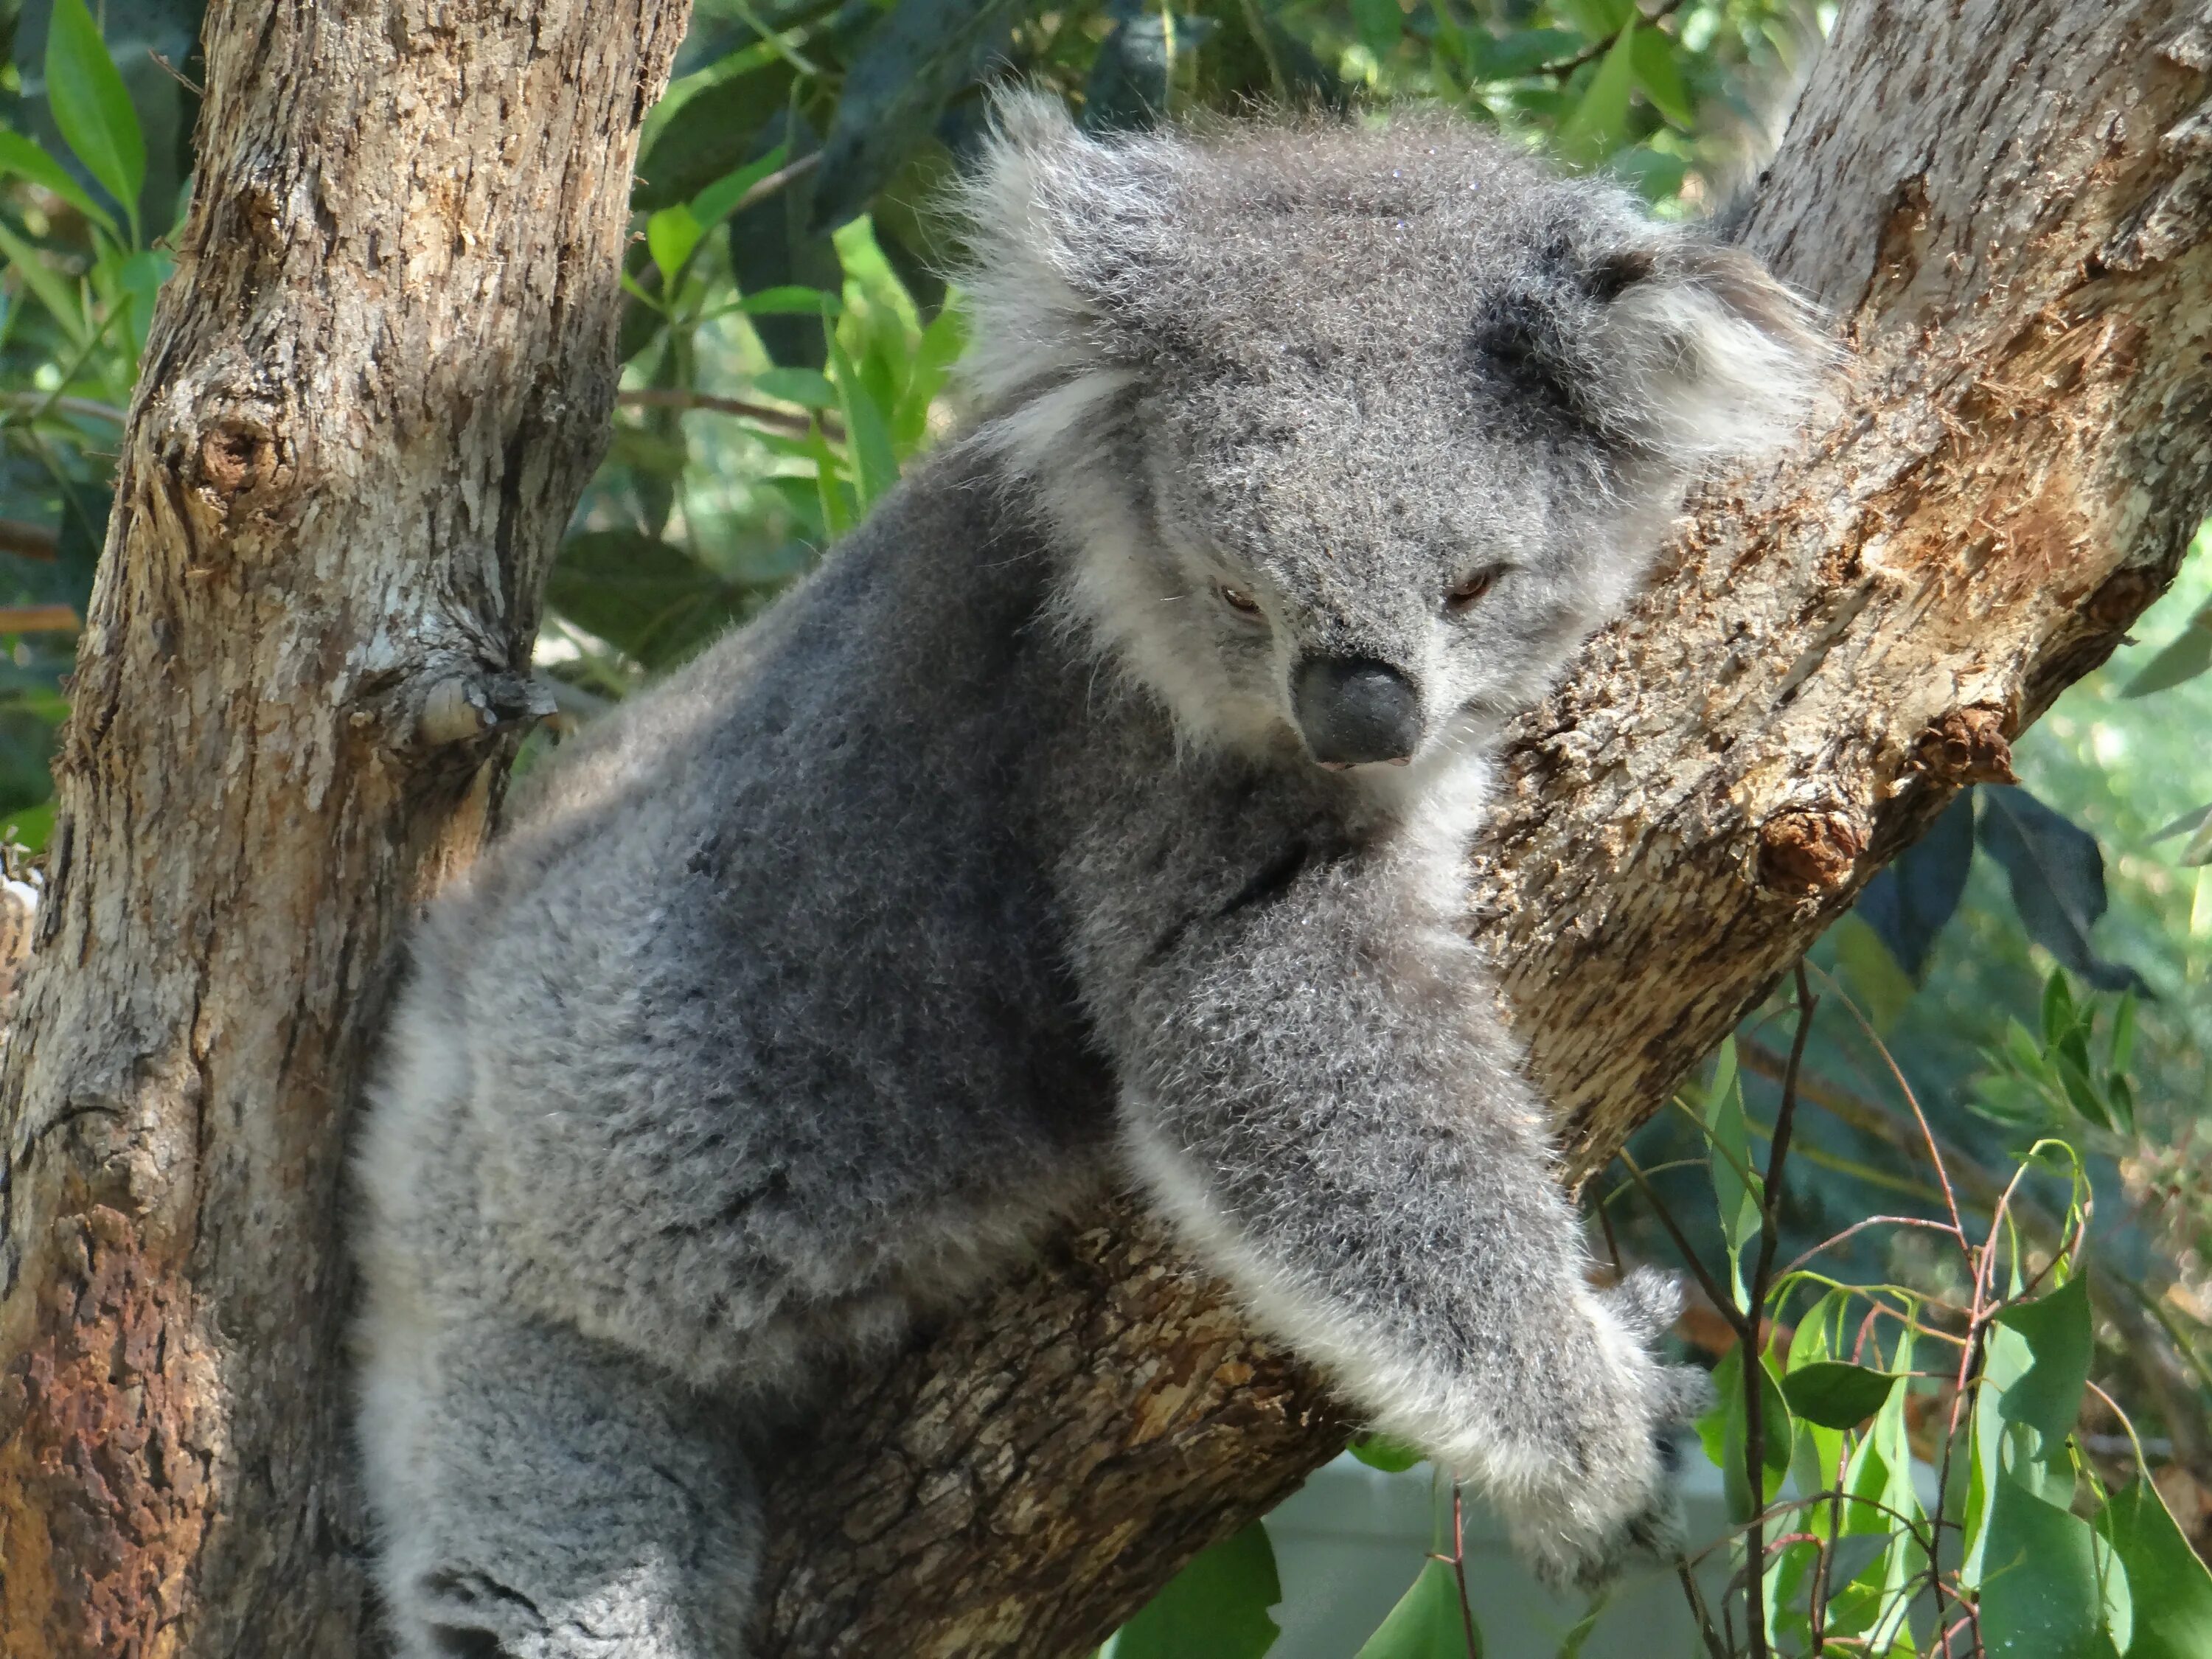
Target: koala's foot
1590, 1485
543, 1497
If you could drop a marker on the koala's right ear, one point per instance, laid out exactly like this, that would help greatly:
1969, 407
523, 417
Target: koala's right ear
1059, 226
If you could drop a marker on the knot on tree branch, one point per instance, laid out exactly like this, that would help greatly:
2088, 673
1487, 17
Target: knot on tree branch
1808, 850
468, 706
1967, 745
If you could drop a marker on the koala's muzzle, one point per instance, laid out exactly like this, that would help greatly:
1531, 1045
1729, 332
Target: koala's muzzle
1354, 710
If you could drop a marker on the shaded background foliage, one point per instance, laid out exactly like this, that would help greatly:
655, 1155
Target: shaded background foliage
2036, 968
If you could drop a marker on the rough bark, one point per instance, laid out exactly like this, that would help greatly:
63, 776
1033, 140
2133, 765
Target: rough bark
373, 393
2004, 204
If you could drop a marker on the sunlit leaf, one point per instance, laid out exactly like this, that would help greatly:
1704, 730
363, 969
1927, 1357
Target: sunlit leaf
1379, 1451
669, 236
1598, 124
1661, 77
2061, 1341
803, 386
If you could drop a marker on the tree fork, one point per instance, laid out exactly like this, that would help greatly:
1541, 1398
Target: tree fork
2004, 204
371, 394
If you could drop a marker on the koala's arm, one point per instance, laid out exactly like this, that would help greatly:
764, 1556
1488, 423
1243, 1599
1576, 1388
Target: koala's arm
1314, 1090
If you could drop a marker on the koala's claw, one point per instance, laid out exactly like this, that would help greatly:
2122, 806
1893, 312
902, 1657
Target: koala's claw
1609, 1498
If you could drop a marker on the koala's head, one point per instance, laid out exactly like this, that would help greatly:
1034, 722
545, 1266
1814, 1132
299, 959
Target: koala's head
1355, 432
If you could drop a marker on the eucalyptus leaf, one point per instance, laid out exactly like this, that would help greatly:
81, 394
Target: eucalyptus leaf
1428, 1622
1908, 902
2060, 1342
1216, 1607
20, 157
2169, 1591
2041, 1597
2057, 878
1836, 1393
2185, 657
91, 106
1379, 1451
1599, 121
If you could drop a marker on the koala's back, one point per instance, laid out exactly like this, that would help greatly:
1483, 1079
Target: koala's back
759, 1010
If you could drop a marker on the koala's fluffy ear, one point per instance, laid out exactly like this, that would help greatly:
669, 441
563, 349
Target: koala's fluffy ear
1059, 226
1707, 359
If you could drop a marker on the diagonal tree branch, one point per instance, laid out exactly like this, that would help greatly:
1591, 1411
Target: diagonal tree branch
2005, 202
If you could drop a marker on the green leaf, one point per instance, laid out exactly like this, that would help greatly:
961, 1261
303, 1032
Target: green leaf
1724, 1431
1734, 1186
2061, 1341
1379, 1451
1880, 984
719, 200
1428, 1622
43, 281
20, 157
867, 431
1661, 77
651, 599
2057, 878
669, 236
1836, 1393
1380, 25
2189, 655
1215, 1608
1597, 18
2041, 1593
92, 107
2169, 1591
1507, 57
1599, 122
803, 386
791, 300
933, 357
914, 60
711, 132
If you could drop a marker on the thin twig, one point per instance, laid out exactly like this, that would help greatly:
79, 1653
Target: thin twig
1754, 1359
1567, 66
40, 403
677, 397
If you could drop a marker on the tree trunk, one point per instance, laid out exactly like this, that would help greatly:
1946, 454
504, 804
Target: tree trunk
371, 395
2004, 202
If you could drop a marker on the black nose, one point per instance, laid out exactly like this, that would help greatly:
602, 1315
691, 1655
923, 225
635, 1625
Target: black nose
1355, 709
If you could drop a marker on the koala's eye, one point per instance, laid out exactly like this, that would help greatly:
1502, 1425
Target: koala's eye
1238, 600
1471, 589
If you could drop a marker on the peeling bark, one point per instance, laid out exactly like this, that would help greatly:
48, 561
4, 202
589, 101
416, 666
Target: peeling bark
371, 395
2005, 204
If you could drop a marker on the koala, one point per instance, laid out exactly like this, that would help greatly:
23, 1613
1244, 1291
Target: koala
1095, 814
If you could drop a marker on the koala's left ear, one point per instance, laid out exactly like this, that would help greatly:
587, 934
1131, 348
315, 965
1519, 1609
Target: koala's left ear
1710, 360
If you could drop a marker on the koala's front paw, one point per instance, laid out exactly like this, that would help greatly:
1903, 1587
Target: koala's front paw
1602, 1492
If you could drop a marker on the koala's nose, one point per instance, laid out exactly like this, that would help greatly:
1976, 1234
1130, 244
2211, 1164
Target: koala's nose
1353, 710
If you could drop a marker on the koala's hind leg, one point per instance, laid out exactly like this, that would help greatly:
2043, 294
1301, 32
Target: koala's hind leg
541, 1496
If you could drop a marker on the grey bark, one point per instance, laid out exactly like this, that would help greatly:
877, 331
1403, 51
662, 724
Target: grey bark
371, 394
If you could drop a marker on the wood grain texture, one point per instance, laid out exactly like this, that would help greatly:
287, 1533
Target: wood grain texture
2005, 204
371, 397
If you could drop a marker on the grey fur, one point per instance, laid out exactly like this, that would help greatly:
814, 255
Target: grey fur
989, 866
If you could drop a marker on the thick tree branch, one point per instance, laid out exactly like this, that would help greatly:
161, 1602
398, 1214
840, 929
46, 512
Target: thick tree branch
2005, 204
